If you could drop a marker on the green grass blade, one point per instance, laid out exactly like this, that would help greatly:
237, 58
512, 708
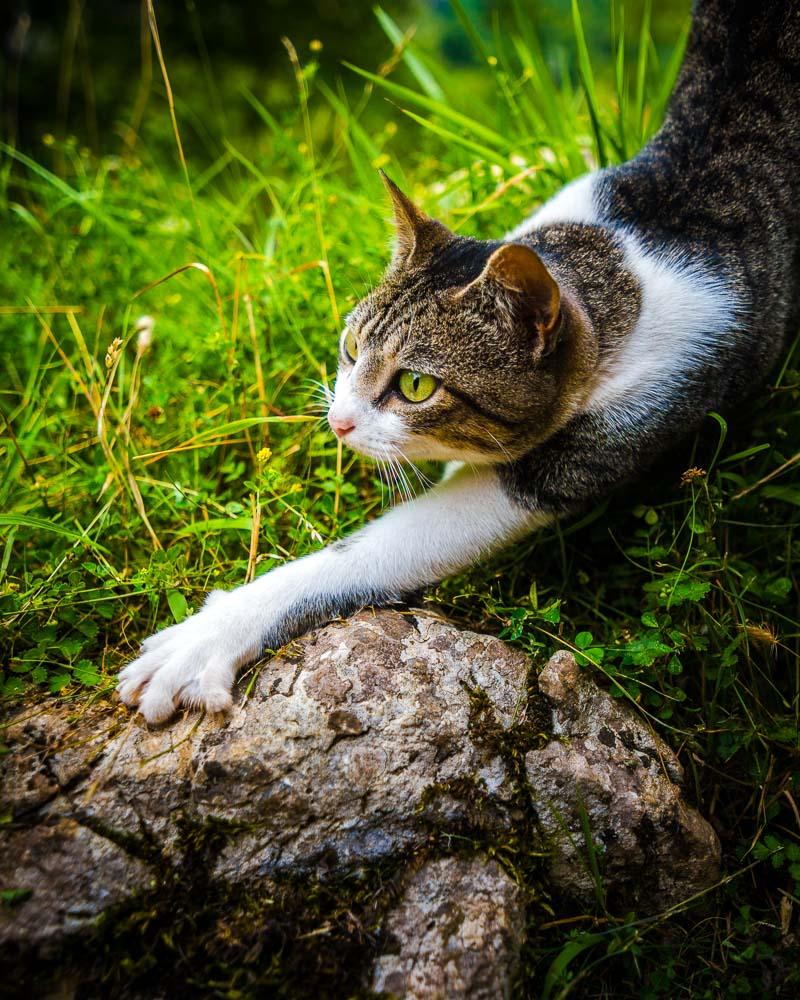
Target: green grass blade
587, 80
641, 64
492, 155
416, 67
86, 201
435, 107
215, 524
670, 74
41, 524
359, 133
470, 30
621, 83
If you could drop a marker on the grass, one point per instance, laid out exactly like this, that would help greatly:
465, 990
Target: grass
144, 462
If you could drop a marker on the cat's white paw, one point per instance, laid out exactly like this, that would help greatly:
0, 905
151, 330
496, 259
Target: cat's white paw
193, 663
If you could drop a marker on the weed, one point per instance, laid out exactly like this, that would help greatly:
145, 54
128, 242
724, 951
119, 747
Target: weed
145, 461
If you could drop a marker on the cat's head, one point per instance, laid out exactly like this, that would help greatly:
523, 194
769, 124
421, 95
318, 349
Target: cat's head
457, 354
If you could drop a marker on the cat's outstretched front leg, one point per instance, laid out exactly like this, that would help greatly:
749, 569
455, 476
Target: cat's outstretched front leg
417, 543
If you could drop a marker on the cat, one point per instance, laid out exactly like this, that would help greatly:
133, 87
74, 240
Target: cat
554, 364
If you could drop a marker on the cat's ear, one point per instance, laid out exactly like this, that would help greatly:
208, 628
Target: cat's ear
417, 235
530, 290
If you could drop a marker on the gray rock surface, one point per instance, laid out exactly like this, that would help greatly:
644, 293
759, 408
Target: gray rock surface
73, 876
456, 932
348, 747
325, 764
650, 848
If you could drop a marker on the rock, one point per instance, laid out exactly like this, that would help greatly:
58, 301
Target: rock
325, 764
652, 850
351, 749
456, 932
73, 876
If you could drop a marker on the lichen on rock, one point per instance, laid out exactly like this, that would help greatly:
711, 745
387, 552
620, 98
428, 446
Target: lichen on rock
456, 932
609, 774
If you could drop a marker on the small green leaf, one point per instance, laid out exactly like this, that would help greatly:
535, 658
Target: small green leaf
71, 647
13, 897
551, 613
779, 588
177, 605
689, 590
12, 686
213, 524
643, 652
86, 673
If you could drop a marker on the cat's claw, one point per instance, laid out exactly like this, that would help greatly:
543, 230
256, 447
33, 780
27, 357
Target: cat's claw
192, 664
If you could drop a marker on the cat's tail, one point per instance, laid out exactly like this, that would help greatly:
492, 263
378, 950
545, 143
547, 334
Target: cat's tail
745, 43
742, 63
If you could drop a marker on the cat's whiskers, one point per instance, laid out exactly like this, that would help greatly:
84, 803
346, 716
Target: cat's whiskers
409, 491
423, 480
398, 488
321, 396
392, 472
321, 387
384, 474
392, 462
500, 446
384, 484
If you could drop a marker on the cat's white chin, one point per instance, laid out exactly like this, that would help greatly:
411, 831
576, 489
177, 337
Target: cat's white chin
412, 449
371, 450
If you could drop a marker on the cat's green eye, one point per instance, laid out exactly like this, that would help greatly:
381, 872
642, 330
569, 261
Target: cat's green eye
350, 345
416, 386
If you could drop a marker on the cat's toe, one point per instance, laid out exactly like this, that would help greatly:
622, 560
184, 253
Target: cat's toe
134, 677
192, 664
211, 690
157, 705
163, 694
195, 677
217, 700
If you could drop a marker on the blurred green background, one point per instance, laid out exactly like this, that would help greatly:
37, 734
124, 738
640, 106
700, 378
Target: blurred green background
84, 68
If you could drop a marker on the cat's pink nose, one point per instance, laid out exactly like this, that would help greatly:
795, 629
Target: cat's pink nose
341, 425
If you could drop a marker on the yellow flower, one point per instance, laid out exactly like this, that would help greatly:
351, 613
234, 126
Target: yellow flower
263, 456
690, 475
315, 45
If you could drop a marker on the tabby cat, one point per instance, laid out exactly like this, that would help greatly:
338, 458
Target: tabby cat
555, 363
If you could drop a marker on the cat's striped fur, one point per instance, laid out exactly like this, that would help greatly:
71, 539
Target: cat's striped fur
568, 355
